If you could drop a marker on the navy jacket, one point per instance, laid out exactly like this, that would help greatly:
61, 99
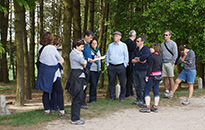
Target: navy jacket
144, 54
75, 84
45, 77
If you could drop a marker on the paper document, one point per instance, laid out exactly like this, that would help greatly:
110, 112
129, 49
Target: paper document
100, 58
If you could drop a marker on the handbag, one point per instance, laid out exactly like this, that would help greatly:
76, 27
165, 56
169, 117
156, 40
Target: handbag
38, 59
157, 78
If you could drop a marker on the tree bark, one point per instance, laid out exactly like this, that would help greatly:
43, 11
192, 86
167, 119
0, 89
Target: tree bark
32, 47
41, 18
200, 71
86, 15
76, 20
66, 45
4, 33
19, 38
92, 12
27, 75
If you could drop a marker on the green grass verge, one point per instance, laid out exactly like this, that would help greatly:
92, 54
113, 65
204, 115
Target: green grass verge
98, 109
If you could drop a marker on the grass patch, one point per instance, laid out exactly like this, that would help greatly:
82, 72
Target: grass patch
101, 108
4, 89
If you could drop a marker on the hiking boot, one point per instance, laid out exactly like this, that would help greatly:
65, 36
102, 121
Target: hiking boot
145, 110
154, 109
186, 102
78, 122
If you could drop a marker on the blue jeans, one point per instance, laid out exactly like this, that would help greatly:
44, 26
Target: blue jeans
94, 77
188, 75
152, 84
139, 83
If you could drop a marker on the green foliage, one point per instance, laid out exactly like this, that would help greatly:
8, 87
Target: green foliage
1, 48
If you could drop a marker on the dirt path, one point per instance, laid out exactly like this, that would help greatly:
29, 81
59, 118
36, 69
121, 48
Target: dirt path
191, 117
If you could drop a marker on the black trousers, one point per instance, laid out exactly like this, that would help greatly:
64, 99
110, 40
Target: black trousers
119, 71
57, 87
129, 75
87, 81
77, 101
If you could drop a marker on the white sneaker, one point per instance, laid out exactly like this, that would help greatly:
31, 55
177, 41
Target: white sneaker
186, 102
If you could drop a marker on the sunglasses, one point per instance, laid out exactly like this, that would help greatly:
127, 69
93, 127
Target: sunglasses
137, 41
166, 35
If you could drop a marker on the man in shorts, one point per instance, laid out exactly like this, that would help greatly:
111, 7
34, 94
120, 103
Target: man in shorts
169, 56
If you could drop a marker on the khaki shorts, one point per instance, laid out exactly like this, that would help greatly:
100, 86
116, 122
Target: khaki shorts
167, 70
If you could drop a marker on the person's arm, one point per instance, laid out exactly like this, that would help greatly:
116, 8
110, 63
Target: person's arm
150, 66
126, 56
145, 54
189, 58
175, 52
87, 54
107, 56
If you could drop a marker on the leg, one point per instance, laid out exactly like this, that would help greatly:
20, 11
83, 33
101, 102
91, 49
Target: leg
92, 86
166, 83
45, 100
112, 80
59, 91
129, 74
148, 88
142, 85
121, 75
156, 93
171, 82
177, 82
76, 104
191, 90
136, 83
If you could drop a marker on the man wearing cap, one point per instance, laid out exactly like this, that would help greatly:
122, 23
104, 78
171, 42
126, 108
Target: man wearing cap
117, 60
131, 45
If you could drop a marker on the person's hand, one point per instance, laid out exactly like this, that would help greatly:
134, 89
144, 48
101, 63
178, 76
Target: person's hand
134, 61
84, 64
61, 61
90, 60
97, 56
143, 61
146, 79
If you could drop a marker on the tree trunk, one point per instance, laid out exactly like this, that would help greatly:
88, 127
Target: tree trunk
32, 47
27, 75
19, 16
76, 20
66, 45
41, 17
91, 10
4, 32
85, 16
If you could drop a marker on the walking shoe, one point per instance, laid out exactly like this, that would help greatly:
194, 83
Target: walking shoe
170, 96
186, 102
145, 110
137, 103
65, 115
78, 122
84, 106
166, 94
154, 109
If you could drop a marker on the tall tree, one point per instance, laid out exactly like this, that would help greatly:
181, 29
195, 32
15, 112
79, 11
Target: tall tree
32, 45
4, 32
76, 20
92, 13
27, 74
85, 15
19, 38
41, 17
66, 45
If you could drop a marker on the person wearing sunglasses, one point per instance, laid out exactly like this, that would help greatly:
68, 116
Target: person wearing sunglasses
169, 56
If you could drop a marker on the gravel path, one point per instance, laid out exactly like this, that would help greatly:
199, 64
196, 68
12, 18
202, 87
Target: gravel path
191, 117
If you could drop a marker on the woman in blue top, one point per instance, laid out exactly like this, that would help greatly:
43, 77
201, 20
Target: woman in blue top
187, 60
95, 69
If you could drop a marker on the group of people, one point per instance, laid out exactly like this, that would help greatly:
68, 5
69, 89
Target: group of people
132, 62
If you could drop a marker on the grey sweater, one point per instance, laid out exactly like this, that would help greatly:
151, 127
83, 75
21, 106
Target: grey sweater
167, 57
190, 61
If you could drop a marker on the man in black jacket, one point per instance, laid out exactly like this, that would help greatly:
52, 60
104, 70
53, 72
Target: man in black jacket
131, 45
